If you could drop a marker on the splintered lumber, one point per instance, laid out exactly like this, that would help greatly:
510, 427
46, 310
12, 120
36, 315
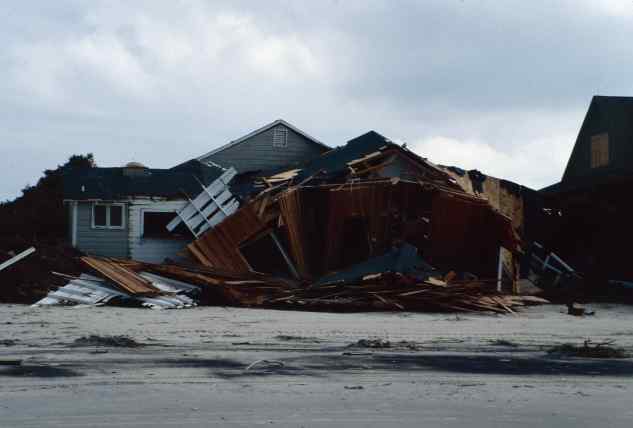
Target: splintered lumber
125, 278
389, 292
378, 292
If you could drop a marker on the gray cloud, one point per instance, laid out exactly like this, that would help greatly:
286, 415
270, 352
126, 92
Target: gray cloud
499, 86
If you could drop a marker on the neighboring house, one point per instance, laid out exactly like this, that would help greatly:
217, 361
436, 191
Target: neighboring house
593, 209
272, 146
123, 212
604, 147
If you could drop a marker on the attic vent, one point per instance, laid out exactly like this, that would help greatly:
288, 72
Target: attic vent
280, 136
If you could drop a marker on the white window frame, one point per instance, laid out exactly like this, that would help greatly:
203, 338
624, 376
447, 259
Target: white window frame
280, 137
107, 225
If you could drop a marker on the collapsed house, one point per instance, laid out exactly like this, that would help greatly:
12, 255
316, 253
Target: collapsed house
359, 201
589, 223
366, 226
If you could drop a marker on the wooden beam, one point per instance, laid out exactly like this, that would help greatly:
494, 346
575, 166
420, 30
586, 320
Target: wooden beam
291, 266
17, 258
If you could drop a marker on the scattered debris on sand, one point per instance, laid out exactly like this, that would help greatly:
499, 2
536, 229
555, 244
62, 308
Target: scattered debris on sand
110, 341
384, 344
31, 278
291, 338
589, 349
372, 343
503, 342
264, 365
578, 310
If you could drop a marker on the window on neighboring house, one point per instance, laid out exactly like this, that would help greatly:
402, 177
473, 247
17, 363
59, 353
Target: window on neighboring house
155, 226
108, 216
280, 136
600, 150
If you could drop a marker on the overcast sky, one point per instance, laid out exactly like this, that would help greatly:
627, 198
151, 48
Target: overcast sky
501, 86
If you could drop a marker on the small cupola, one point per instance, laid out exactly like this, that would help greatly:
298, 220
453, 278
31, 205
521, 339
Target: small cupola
135, 169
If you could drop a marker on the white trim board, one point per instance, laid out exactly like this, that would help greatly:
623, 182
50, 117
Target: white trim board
74, 224
210, 207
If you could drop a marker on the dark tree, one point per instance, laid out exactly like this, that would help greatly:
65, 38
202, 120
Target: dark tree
39, 213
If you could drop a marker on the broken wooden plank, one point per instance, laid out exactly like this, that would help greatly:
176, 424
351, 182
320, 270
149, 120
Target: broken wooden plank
17, 258
125, 278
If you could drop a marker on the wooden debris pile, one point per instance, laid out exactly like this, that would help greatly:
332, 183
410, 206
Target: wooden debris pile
397, 292
379, 292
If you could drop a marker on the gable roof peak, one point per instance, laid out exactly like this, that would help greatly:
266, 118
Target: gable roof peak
371, 136
259, 131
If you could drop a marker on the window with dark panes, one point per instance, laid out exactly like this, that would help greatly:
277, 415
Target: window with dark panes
108, 216
100, 215
116, 215
155, 226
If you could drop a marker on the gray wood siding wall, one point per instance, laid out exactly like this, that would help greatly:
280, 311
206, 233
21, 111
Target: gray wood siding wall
258, 153
100, 242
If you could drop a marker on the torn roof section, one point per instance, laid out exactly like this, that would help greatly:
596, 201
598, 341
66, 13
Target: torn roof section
370, 155
135, 180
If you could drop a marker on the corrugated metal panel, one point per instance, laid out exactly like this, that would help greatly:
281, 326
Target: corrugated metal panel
87, 289
90, 290
167, 284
